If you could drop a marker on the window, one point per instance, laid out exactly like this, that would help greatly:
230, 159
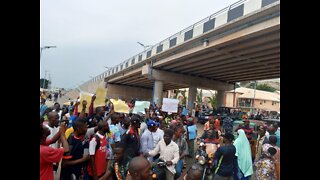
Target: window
132, 61
121, 67
127, 64
148, 53
159, 48
260, 102
264, 101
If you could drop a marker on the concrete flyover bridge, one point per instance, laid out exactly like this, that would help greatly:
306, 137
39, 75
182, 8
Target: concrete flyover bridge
239, 43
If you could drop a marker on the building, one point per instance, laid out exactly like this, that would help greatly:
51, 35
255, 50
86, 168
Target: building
247, 99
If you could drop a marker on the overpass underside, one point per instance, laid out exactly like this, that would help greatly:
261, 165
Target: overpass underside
250, 54
245, 49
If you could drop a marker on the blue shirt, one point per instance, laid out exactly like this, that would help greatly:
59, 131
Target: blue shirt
192, 131
115, 133
71, 119
278, 137
42, 109
225, 155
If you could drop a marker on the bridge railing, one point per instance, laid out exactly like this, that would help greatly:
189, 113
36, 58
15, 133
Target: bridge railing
225, 15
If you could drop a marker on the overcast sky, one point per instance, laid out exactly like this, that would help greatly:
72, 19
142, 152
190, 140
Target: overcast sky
91, 34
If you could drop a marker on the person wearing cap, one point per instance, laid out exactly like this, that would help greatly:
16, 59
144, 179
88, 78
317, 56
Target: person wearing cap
131, 138
225, 156
247, 129
147, 139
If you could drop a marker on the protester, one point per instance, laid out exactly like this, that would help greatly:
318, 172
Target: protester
43, 106
49, 155
266, 166
243, 163
225, 156
73, 160
131, 138
53, 124
147, 139
183, 148
56, 108
169, 153
217, 122
125, 124
139, 169
97, 152
195, 172
260, 141
118, 169
191, 136
273, 143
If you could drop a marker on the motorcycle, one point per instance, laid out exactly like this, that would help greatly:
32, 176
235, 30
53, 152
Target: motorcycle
158, 170
205, 156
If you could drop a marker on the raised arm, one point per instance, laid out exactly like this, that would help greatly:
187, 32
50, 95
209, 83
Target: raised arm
91, 112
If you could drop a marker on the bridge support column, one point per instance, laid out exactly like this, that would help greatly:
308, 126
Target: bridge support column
191, 97
220, 98
157, 92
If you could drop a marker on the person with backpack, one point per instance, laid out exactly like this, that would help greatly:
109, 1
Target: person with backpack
97, 151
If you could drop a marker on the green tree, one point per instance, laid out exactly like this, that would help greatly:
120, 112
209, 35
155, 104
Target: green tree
44, 83
265, 87
199, 96
184, 100
213, 100
183, 93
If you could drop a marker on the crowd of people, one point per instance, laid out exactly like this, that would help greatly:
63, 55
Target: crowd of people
103, 144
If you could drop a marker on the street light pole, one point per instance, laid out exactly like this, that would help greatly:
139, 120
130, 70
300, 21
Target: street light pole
45, 47
144, 46
254, 95
44, 80
42, 48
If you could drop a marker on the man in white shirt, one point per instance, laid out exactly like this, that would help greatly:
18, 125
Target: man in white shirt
147, 143
53, 126
56, 108
157, 135
169, 153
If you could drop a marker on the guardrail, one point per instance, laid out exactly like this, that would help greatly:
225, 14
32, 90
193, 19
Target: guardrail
225, 15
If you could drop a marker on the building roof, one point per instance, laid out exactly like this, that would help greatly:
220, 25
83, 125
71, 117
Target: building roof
248, 93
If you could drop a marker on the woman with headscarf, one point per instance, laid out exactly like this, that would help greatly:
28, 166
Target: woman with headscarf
243, 163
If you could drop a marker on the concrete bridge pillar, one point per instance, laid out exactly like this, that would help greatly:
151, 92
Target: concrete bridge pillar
191, 97
158, 92
220, 98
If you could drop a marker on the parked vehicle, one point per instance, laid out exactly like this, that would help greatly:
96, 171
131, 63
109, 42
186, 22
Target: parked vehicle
205, 116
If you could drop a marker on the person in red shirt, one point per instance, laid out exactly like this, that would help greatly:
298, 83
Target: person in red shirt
190, 118
211, 137
247, 129
217, 123
97, 151
49, 155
